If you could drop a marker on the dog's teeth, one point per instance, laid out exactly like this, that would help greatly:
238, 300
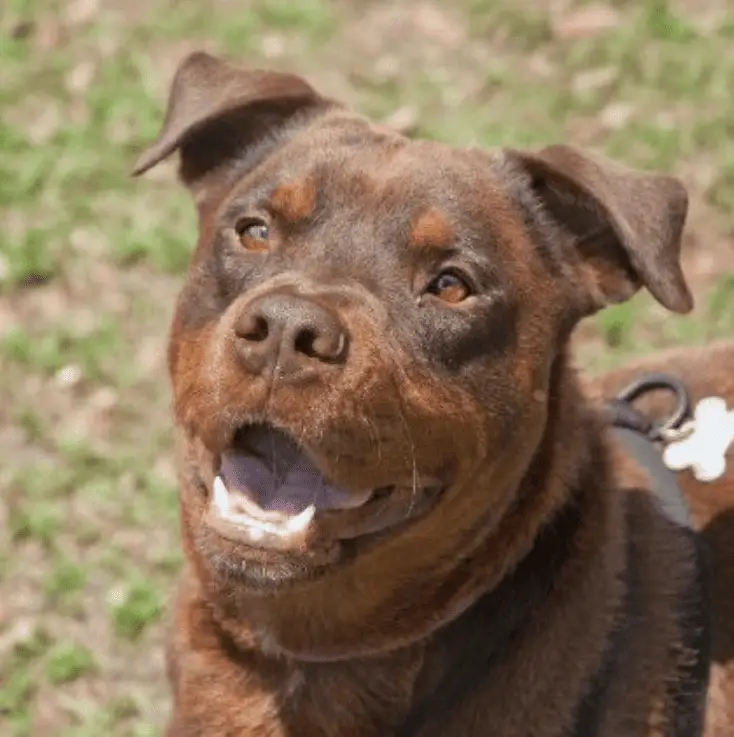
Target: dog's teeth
300, 521
220, 497
249, 517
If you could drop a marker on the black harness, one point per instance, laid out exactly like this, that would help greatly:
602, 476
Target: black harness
642, 437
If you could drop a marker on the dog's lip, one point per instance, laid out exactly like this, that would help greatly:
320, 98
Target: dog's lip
383, 513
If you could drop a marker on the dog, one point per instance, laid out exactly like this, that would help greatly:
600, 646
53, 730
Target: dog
402, 512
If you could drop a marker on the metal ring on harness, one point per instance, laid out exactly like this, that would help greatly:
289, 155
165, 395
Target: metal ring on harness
651, 382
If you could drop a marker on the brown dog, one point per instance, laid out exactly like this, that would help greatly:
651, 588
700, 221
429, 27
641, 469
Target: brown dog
400, 514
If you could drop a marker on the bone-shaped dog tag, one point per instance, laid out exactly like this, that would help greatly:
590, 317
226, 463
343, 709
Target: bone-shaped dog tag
704, 448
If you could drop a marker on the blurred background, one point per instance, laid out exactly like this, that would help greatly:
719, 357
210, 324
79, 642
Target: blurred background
90, 263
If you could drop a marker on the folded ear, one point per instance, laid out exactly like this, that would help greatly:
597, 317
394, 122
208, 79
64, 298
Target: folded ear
218, 112
626, 225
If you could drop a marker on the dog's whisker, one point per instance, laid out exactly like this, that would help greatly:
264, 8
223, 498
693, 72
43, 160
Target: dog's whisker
400, 406
373, 432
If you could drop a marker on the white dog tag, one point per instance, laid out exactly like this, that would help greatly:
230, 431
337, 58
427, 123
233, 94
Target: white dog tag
704, 447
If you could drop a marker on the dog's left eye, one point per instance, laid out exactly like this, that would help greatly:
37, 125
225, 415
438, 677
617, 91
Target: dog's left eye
253, 234
449, 287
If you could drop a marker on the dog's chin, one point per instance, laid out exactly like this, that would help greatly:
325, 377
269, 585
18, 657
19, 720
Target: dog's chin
272, 518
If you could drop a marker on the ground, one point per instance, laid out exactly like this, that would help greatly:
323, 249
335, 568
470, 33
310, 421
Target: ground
90, 261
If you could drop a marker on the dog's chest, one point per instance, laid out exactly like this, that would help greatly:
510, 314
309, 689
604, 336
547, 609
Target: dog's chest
365, 699
309, 701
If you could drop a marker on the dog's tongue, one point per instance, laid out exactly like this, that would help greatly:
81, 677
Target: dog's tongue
279, 477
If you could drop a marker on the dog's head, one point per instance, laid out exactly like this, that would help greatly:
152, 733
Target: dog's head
362, 354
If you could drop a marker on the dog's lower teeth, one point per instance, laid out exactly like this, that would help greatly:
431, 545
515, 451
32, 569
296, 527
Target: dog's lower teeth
220, 497
300, 521
285, 525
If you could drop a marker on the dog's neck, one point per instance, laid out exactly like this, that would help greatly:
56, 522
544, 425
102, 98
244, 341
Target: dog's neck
575, 563
467, 647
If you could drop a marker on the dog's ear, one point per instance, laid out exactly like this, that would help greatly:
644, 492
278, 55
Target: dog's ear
626, 225
218, 112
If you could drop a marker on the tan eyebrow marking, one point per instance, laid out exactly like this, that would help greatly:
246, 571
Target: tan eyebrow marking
431, 229
294, 200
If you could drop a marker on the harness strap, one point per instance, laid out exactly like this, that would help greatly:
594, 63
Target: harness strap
665, 483
640, 436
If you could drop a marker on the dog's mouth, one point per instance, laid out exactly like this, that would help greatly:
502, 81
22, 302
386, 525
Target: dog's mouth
269, 494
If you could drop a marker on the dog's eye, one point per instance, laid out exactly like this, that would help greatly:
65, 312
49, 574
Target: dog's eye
449, 287
253, 234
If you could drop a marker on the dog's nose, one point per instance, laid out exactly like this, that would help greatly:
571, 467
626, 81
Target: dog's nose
292, 334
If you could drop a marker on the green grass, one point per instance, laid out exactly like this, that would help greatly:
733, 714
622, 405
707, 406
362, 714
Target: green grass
136, 609
90, 262
65, 581
67, 662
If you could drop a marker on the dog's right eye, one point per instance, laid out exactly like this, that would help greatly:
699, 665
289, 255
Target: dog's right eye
449, 287
253, 234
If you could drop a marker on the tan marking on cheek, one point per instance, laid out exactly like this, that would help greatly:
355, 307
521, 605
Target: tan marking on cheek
294, 200
431, 229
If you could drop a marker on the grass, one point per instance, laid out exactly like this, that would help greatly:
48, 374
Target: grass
90, 261
67, 662
135, 609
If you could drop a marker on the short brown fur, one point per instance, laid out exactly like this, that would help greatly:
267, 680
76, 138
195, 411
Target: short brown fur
524, 544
